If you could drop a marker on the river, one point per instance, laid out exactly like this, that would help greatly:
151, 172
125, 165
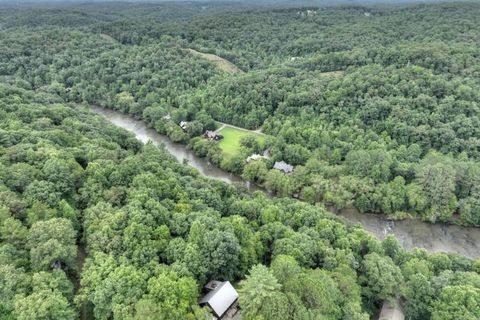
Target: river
411, 233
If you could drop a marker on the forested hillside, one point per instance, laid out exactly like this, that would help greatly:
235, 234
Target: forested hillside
376, 107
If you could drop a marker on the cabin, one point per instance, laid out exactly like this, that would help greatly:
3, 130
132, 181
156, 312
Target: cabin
391, 310
183, 125
221, 298
283, 166
212, 135
254, 157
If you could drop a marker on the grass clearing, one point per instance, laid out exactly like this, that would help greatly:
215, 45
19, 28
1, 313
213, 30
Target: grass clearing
230, 144
221, 63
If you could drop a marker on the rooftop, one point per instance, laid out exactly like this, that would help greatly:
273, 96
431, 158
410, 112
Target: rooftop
283, 166
212, 135
220, 298
254, 157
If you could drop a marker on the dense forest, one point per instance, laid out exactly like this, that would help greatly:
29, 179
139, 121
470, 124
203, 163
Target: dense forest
376, 107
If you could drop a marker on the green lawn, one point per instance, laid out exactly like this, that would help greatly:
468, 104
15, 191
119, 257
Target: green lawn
230, 143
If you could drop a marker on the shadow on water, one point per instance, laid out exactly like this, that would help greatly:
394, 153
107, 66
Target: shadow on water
411, 233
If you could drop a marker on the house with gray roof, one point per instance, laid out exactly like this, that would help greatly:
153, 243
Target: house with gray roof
221, 298
283, 166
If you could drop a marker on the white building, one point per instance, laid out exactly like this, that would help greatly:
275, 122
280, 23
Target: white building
183, 125
254, 157
220, 298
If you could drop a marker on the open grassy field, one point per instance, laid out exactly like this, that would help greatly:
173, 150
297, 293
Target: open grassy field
221, 63
230, 143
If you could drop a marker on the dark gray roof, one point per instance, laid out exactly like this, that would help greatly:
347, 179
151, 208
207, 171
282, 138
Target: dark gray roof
221, 298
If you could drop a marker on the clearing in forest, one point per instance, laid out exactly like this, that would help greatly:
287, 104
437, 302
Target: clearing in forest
221, 63
230, 144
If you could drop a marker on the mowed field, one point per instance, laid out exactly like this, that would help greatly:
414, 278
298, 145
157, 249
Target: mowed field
230, 144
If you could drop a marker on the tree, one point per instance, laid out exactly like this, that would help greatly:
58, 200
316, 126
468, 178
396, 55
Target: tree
251, 143
470, 211
380, 278
12, 282
42, 191
392, 247
419, 295
113, 288
275, 306
20, 176
50, 298
217, 252
394, 196
255, 171
258, 287
285, 268
375, 164
43, 305
52, 244
195, 128
62, 173
234, 163
279, 183
296, 154
438, 183
457, 302
318, 292
169, 297
125, 101
300, 246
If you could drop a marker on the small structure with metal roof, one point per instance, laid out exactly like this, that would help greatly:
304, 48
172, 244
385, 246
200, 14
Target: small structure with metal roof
283, 166
220, 298
183, 125
254, 157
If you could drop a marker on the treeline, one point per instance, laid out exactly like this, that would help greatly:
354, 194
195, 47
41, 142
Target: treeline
155, 232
